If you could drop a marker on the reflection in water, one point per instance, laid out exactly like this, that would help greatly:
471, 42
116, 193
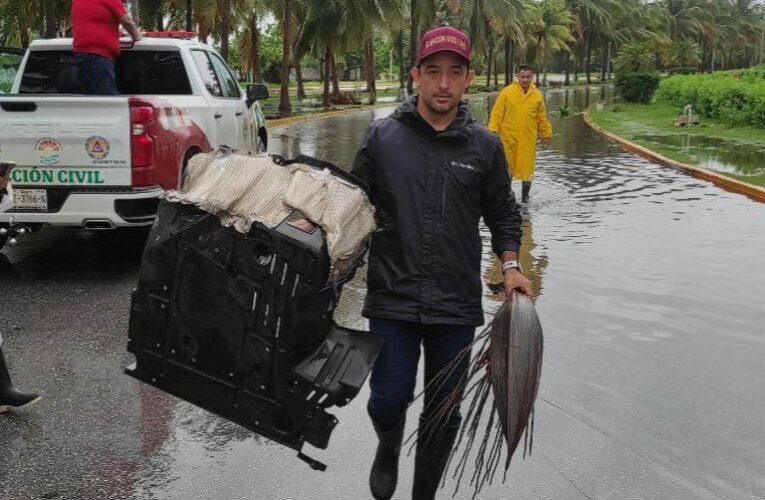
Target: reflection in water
533, 262
722, 155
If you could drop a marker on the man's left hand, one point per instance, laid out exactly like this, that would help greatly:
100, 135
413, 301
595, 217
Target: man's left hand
515, 280
545, 141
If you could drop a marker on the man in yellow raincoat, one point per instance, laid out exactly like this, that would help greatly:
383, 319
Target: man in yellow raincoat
519, 116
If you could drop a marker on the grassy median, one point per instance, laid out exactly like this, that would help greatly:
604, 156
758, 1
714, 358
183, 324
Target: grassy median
738, 152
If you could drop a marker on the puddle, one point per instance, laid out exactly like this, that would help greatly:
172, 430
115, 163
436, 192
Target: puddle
722, 155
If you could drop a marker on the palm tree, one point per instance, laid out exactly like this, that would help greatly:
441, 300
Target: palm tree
591, 17
288, 33
549, 28
636, 56
684, 53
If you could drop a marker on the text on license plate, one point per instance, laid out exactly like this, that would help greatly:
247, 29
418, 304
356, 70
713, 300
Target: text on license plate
30, 198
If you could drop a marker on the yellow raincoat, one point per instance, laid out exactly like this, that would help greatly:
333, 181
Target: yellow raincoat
518, 118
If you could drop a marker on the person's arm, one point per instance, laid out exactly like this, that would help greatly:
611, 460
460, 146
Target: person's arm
501, 214
497, 113
543, 124
127, 22
125, 19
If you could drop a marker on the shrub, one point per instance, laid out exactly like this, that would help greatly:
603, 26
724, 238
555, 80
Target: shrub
683, 71
637, 86
729, 97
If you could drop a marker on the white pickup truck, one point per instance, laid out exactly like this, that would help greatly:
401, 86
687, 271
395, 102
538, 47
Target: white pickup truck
103, 162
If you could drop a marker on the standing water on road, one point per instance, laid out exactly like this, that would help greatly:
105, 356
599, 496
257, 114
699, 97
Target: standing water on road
652, 379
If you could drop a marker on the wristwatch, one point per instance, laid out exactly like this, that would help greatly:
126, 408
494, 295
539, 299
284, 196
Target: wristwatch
511, 264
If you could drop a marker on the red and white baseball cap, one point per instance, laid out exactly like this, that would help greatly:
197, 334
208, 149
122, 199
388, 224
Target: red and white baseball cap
444, 38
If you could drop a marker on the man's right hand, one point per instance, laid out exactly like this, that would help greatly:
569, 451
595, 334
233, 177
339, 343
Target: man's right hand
6, 169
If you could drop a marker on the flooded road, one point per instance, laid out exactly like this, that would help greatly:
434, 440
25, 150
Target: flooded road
652, 385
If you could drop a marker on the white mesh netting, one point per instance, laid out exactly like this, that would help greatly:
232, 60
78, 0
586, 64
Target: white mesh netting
242, 189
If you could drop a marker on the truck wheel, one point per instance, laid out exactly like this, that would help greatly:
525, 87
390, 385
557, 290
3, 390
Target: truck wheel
188, 156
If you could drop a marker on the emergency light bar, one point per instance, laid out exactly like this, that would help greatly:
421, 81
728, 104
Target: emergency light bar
184, 35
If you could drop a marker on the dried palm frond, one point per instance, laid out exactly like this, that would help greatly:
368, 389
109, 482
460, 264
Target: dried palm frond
499, 387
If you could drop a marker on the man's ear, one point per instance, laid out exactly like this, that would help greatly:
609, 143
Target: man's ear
415, 72
470, 78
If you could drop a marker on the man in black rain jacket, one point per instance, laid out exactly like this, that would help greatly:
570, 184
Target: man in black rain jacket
433, 172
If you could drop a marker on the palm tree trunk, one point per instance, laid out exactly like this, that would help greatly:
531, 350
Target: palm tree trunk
327, 70
401, 65
255, 34
567, 81
588, 58
335, 76
299, 78
369, 64
508, 62
50, 23
189, 16
134, 12
544, 61
284, 75
576, 69
225, 26
603, 63
414, 38
496, 70
608, 63
488, 64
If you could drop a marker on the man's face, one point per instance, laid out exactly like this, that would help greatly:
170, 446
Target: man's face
442, 79
525, 78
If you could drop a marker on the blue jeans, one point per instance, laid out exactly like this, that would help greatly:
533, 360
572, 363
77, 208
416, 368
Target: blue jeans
96, 74
395, 371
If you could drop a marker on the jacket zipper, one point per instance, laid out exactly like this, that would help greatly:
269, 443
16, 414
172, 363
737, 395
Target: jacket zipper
443, 192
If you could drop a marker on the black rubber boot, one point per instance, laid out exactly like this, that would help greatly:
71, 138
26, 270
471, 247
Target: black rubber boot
384, 474
525, 189
9, 396
430, 461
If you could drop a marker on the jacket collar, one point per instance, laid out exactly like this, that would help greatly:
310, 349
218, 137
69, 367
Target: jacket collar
532, 89
460, 129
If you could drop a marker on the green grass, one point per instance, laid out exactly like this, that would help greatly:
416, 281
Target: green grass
634, 121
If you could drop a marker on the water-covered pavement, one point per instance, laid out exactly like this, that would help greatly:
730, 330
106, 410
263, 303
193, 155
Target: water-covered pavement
650, 292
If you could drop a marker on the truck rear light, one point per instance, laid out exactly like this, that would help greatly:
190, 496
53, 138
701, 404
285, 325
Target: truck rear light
142, 117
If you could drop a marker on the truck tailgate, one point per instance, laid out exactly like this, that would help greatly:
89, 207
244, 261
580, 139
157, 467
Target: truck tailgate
66, 142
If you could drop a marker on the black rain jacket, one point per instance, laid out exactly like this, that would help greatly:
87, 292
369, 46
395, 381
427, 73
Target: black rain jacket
431, 189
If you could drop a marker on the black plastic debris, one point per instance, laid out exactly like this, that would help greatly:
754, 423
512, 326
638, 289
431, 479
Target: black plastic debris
241, 325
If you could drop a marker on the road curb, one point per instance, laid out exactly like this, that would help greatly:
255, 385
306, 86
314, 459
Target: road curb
292, 120
754, 192
283, 122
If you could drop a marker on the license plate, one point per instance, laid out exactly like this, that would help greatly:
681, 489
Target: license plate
30, 198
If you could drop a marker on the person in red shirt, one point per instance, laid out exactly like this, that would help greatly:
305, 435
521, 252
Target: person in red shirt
96, 32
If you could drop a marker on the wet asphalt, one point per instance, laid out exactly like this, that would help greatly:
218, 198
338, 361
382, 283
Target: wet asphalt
650, 293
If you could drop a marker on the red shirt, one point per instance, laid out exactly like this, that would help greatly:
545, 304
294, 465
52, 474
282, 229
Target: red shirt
96, 26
